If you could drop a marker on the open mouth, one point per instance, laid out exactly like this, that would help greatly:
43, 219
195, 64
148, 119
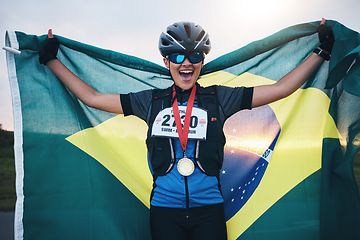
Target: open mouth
186, 75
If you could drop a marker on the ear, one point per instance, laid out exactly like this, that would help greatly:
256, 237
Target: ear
203, 61
166, 62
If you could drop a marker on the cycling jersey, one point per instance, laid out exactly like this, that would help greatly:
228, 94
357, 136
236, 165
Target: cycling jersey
171, 189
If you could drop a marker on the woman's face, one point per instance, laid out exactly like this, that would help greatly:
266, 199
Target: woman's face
184, 74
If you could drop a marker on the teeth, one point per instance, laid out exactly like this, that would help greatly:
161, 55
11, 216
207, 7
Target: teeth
186, 71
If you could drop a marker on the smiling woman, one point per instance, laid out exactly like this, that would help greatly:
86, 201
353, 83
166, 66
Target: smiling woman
183, 46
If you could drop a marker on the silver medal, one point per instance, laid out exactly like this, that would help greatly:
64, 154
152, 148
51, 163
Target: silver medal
185, 166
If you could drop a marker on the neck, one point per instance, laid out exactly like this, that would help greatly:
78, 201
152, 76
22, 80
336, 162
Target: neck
182, 95
179, 89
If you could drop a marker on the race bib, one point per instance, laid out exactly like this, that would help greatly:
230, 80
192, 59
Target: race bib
164, 125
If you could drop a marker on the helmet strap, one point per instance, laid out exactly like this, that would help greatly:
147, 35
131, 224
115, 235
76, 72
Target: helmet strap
170, 72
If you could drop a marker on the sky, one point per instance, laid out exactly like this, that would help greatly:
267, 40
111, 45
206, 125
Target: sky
133, 27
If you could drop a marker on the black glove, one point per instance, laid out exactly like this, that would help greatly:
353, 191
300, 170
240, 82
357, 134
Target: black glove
326, 38
48, 50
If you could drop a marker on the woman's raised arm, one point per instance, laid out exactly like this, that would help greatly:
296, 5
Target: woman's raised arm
109, 102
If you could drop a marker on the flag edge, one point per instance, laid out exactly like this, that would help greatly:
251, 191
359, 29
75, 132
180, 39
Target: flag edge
11, 41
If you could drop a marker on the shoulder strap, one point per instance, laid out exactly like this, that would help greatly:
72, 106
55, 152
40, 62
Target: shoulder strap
210, 90
157, 94
161, 93
208, 97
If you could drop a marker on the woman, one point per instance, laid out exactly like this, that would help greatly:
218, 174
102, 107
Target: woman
185, 139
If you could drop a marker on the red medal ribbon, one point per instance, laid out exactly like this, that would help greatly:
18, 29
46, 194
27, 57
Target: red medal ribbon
183, 131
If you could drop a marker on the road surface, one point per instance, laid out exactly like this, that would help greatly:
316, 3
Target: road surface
6, 225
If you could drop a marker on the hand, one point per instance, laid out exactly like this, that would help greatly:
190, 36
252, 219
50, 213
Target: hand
48, 49
326, 37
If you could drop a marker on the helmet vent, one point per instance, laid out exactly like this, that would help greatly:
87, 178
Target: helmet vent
174, 35
200, 36
187, 30
165, 43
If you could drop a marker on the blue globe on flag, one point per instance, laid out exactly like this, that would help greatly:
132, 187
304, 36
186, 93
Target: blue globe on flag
250, 140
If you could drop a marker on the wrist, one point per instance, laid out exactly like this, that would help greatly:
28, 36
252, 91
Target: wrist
51, 62
45, 59
322, 53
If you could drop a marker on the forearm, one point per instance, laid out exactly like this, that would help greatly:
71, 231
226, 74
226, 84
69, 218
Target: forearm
77, 86
109, 102
299, 75
288, 84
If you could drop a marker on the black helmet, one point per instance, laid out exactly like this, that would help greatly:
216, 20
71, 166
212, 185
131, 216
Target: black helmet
184, 37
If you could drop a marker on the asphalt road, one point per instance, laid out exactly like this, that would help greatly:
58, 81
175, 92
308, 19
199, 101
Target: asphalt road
6, 225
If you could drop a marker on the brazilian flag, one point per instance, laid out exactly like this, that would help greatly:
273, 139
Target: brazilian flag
288, 169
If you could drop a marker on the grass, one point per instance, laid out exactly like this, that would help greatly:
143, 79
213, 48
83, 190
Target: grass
7, 171
357, 169
7, 186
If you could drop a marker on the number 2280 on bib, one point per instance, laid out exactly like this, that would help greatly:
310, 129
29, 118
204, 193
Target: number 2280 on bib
164, 124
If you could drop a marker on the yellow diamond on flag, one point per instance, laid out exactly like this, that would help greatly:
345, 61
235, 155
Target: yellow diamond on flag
119, 145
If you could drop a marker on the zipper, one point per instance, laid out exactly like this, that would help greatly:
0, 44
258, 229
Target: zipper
172, 156
187, 197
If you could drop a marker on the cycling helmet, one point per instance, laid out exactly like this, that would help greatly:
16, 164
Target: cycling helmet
184, 37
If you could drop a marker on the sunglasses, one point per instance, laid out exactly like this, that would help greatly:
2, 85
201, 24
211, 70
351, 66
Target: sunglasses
194, 57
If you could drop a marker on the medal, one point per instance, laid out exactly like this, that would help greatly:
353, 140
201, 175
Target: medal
185, 166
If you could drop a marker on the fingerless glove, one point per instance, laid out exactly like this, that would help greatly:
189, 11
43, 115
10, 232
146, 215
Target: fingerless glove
48, 50
327, 40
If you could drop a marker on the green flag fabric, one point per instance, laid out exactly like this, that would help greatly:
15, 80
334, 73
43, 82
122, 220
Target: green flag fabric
288, 170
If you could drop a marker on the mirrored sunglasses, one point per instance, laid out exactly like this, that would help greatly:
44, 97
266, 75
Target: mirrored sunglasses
194, 57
